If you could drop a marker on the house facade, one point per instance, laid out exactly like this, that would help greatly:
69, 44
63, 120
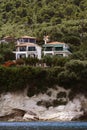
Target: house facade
27, 47
26, 39
56, 48
7, 40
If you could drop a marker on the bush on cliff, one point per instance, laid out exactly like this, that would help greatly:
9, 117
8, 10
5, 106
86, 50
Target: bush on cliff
73, 75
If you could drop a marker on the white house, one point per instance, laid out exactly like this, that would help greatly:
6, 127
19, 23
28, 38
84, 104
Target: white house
27, 47
56, 48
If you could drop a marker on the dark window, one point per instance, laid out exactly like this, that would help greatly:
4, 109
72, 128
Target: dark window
31, 49
22, 48
28, 40
59, 54
22, 56
58, 48
32, 40
48, 49
25, 39
49, 54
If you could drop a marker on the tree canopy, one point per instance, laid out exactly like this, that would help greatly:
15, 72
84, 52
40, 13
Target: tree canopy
62, 20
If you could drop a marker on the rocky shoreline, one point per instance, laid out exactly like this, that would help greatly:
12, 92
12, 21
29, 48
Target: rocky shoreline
20, 107
21, 115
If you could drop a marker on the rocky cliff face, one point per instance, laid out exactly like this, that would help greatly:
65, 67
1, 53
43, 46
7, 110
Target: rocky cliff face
54, 105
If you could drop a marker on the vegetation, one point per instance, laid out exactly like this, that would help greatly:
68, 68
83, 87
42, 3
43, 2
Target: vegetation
54, 103
6, 52
61, 95
73, 75
62, 20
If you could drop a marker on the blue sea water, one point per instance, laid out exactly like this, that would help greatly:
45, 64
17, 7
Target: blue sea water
43, 125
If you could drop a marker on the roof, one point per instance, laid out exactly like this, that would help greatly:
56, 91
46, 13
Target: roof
8, 37
28, 37
54, 44
27, 44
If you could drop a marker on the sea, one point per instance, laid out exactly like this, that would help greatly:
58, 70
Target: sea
43, 125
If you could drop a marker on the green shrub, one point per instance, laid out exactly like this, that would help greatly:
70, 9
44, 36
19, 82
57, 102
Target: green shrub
52, 78
44, 103
72, 95
61, 95
58, 102
76, 65
20, 62
73, 76
67, 79
39, 103
59, 60
31, 61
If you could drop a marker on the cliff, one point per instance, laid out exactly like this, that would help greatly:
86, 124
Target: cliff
54, 105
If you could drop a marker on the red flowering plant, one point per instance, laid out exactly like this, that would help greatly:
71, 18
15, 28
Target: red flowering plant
9, 64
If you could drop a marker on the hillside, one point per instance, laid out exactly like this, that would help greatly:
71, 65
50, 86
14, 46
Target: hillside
59, 90
63, 20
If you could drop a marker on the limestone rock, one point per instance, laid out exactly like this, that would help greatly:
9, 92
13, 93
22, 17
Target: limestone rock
15, 114
81, 117
30, 116
19, 107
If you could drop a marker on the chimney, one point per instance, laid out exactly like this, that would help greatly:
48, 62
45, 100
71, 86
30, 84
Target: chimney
46, 39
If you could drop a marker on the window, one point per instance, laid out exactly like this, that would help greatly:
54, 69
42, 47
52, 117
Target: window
49, 54
25, 39
48, 49
32, 41
59, 54
58, 48
22, 56
23, 48
31, 49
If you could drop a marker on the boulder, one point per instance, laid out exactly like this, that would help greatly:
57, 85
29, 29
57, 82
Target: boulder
30, 116
13, 115
81, 117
